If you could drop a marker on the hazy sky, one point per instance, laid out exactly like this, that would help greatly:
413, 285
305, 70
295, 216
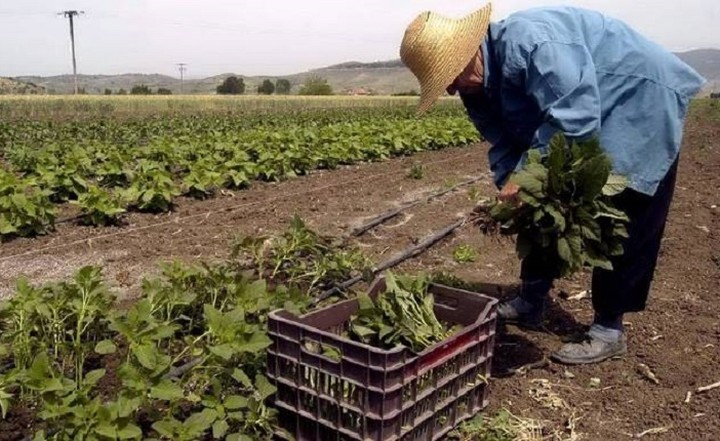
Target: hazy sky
273, 37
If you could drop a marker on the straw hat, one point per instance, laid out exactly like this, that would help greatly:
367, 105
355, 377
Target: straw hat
436, 49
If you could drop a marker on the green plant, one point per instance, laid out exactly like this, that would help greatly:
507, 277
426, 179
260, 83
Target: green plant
473, 194
25, 209
566, 213
151, 189
464, 254
502, 427
300, 256
417, 171
202, 181
99, 207
401, 315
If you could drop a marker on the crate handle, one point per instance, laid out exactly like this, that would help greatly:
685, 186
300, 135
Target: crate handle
326, 351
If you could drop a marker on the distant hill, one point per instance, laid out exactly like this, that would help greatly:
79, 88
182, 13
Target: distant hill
10, 86
381, 77
707, 63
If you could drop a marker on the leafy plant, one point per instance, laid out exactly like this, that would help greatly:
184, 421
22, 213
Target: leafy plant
566, 213
417, 171
202, 181
402, 315
99, 207
152, 188
464, 254
25, 209
300, 256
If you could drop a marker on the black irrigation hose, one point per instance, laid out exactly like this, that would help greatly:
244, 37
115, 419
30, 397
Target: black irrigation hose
397, 259
357, 231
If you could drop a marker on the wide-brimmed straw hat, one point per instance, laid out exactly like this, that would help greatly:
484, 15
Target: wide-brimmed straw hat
436, 49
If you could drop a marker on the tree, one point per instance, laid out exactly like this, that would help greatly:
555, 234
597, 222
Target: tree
315, 86
231, 86
108, 92
121, 91
266, 88
140, 90
282, 86
164, 91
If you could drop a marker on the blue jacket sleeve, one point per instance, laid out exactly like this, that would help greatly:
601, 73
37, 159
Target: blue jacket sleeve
561, 78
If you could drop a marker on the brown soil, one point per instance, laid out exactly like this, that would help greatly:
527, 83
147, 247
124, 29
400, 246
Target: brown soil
678, 336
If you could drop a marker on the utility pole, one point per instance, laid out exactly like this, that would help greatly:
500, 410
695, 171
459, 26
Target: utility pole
70, 15
182, 69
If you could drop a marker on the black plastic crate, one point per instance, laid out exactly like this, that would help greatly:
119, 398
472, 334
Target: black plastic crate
367, 393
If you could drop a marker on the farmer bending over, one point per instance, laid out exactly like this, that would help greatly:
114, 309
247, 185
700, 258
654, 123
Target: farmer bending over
585, 74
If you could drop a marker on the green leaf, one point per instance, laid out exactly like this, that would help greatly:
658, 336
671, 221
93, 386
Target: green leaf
105, 347
591, 176
219, 428
92, 377
167, 390
126, 406
595, 259
107, 430
224, 351
235, 402
563, 249
264, 387
242, 378
129, 431
166, 427
615, 184
147, 355
198, 423
528, 183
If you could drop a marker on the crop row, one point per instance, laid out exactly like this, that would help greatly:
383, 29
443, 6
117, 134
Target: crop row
184, 362
106, 167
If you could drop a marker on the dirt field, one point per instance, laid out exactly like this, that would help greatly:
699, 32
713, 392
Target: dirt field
678, 337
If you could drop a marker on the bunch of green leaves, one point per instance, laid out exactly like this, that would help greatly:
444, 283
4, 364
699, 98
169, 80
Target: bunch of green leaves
417, 171
566, 214
99, 206
464, 253
25, 208
401, 315
152, 188
74, 410
202, 181
300, 257
191, 351
65, 319
502, 427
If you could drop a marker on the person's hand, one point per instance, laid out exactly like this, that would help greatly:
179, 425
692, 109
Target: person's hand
510, 193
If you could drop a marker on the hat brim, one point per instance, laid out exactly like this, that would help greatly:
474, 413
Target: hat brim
453, 55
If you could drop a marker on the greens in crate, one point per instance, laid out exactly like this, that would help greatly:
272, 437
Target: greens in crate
401, 315
566, 214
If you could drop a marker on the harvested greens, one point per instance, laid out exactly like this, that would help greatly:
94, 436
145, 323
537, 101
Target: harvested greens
401, 315
566, 214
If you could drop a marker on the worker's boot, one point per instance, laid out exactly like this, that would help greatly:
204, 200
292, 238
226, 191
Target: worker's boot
526, 310
605, 339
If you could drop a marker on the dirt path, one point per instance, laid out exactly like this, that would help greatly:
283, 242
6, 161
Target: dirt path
678, 337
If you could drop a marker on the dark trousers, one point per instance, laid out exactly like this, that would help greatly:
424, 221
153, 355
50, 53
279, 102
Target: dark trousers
626, 287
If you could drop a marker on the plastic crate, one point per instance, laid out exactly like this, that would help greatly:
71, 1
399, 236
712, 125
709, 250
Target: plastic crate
367, 393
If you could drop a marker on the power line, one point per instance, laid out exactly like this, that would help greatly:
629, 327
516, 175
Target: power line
70, 15
182, 69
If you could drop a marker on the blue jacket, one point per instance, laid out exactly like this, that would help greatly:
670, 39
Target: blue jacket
585, 74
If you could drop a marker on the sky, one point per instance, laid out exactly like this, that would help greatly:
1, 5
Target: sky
274, 37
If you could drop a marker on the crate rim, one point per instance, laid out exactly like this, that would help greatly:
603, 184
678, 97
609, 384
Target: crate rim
282, 315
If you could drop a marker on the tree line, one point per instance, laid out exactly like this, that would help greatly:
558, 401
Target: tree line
313, 85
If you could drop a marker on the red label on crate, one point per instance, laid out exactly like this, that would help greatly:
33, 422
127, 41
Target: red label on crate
447, 350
